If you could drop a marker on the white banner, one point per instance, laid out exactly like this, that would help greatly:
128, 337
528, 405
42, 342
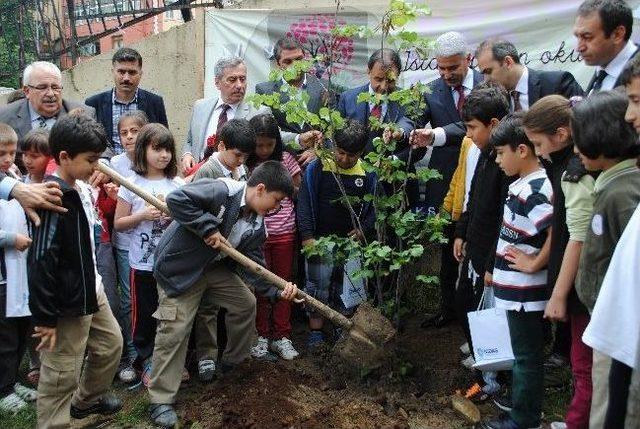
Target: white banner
541, 30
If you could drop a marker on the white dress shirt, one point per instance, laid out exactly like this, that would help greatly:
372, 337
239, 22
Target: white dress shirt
616, 65
523, 88
439, 135
212, 128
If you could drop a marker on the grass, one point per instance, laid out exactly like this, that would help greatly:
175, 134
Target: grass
25, 419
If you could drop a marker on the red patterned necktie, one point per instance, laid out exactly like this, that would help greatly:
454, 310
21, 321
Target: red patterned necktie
376, 111
461, 98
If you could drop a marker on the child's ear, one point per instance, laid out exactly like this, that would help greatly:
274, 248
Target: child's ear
221, 146
64, 156
563, 134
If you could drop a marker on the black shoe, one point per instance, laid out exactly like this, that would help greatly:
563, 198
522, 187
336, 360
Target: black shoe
163, 415
438, 320
106, 405
504, 401
502, 422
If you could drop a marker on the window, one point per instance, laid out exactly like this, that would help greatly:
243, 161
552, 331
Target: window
117, 42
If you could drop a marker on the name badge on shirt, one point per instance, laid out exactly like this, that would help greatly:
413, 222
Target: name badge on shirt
597, 224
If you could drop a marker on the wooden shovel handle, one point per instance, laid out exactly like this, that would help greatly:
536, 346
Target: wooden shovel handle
256, 268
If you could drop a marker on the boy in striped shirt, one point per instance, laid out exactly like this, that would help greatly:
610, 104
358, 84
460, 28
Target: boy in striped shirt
520, 275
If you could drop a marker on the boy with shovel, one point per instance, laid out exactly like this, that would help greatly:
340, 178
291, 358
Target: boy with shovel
208, 213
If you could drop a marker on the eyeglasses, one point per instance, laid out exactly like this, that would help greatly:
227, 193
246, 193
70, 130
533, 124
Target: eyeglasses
54, 88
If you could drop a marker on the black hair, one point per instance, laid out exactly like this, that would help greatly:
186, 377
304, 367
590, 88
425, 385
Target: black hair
386, 57
238, 134
599, 129
285, 44
631, 71
265, 125
75, 134
274, 176
510, 132
612, 13
138, 115
159, 137
126, 55
352, 138
36, 140
500, 49
487, 100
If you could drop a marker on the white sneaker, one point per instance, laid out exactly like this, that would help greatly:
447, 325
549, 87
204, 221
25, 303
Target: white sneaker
558, 425
464, 349
468, 362
26, 393
261, 348
284, 348
128, 374
12, 403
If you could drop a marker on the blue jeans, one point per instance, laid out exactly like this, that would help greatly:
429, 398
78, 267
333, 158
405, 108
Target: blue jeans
324, 283
124, 272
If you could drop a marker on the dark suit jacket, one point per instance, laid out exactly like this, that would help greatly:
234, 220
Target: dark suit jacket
441, 112
543, 83
617, 83
149, 103
317, 98
17, 116
349, 107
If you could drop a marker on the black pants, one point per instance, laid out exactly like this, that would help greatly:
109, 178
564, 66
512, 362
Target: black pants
14, 333
467, 298
619, 380
144, 302
448, 274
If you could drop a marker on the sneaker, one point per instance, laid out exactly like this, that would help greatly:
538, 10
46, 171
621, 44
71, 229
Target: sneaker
260, 349
12, 403
503, 422
475, 394
464, 349
468, 362
128, 374
555, 361
163, 415
315, 339
146, 374
558, 425
26, 393
107, 404
504, 401
284, 348
206, 369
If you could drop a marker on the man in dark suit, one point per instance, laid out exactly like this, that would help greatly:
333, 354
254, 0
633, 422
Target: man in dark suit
498, 60
444, 102
603, 30
285, 52
383, 68
125, 96
43, 105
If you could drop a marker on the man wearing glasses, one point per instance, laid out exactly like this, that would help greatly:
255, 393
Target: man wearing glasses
43, 105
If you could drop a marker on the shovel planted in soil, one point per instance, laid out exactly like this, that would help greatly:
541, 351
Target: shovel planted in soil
365, 334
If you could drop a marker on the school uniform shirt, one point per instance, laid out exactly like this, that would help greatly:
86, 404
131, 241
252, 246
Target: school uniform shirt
284, 221
614, 329
526, 218
121, 240
333, 214
145, 236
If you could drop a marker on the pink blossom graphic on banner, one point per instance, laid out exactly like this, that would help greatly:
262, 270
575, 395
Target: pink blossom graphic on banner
314, 34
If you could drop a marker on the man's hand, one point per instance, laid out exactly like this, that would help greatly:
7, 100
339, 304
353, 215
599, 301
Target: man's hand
187, 162
22, 242
47, 196
556, 309
215, 240
488, 279
98, 178
458, 249
289, 292
310, 139
390, 134
47, 336
520, 261
307, 156
422, 137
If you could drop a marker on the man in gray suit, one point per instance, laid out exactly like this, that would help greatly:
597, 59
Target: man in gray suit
43, 104
285, 52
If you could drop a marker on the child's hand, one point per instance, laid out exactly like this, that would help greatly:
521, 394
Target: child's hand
47, 336
308, 242
389, 134
310, 139
22, 242
556, 309
520, 261
356, 234
458, 249
215, 239
98, 178
151, 213
289, 292
488, 279
112, 190
307, 156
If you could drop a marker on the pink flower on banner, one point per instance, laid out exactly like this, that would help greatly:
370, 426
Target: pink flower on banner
314, 34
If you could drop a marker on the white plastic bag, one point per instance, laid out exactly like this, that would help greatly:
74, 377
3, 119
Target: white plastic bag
490, 336
12, 218
354, 291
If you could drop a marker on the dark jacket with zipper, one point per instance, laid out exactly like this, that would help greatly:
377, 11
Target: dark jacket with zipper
478, 226
62, 280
